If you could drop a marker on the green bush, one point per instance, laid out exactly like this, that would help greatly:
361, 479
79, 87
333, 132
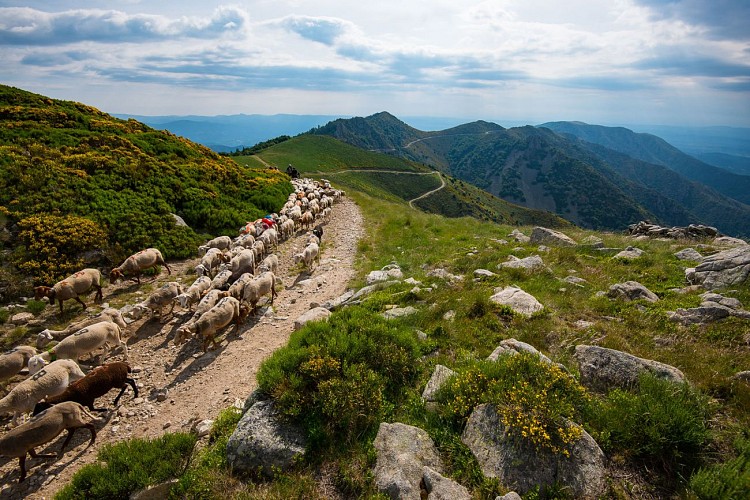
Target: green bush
36, 307
4, 315
663, 422
727, 480
129, 466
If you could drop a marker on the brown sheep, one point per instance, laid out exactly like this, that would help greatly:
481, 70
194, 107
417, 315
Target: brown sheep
137, 263
71, 287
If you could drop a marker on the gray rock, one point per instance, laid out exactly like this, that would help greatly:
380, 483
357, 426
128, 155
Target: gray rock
254, 397
530, 263
483, 273
315, 314
338, 301
689, 254
402, 453
444, 275
513, 347
389, 272
518, 464
399, 312
545, 236
631, 290
179, 221
156, 492
519, 236
518, 300
203, 427
509, 496
728, 241
723, 269
629, 253
442, 488
743, 376
603, 369
592, 241
439, 376
574, 280
21, 318
367, 290
262, 441
714, 307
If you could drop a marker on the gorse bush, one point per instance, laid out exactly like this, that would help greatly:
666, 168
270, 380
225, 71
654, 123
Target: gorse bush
342, 377
536, 401
728, 480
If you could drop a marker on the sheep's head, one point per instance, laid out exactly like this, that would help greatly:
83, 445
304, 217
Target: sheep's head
36, 363
244, 312
202, 250
114, 275
201, 270
182, 299
43, 338
183, 333
138, 311
298, 257
43, 291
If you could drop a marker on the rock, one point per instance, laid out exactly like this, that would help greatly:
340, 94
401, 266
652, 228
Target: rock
399, 312
603, 369
519, 236
592, 241
743, 376
449, 316
518, 464
645, 229
574, 280
444, 275
367, 290
728, 241
530, 263
513, 347
689, 254
203, 427
156, 492
483, 273
338, 301
316, 314
254, 397
582, 324
631, 290
21, 318
629, 253
442, 488
421, 335
714, 307
402, 453
412, 281
262, 442
391, 271
439, 376
543, 235
509, 496
179, 221
723, 269
518, 300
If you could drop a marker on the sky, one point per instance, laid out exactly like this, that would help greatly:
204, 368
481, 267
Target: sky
611, 62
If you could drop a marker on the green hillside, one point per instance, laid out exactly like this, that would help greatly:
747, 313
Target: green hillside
78, 186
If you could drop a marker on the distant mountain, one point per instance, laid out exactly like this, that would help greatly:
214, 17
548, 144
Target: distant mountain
583, 182
653, 149
698, 140
736, 164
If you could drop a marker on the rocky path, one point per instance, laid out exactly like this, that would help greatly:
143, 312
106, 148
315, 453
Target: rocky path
180, 386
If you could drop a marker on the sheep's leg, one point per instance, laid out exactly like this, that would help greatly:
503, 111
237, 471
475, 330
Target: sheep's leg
42, 455
80, 301
99, 296
22, 465
59, 301
130, 382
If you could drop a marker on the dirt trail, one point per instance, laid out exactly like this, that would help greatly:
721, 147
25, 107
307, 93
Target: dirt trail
198, 386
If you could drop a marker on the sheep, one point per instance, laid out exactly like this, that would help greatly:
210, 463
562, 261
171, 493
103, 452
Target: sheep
312, 238
244, 262
95, 384
326, 214
227, 311
137, 263
44, 428
309, 255
270, 238
50, 381
270, 263
158, 299
220, 242
72, 287
81, 342
243, 240
318, 231
207, 302
194, 293
210, 261
13, 362
287, 229
295, 213
260, 250
108, 314
262, 285
221, 279
306, 220
235, 289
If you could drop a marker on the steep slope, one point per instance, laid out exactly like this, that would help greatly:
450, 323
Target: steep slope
379, 132
652, 149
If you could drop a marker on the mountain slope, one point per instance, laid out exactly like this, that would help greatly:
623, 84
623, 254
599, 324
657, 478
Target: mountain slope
652, 149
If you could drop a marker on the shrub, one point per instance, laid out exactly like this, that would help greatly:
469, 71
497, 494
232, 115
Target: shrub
35, 307
536, 400
129, 466
728, 480
4, 315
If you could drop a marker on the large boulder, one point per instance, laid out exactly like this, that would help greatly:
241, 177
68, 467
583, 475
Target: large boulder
389, 272
545, 236
513, 347
521, 302
402, 453
520, 465
631, 290
262, 442
439, 487
603, 369
629, 253
728, 268
529, 263
689, 254
314, 314
519, 236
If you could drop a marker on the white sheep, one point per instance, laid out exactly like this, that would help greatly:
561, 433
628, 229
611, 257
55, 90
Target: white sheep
270, 238
207, 302
72, 287
309, 255
244, 262
49, 381
287, 229
212, 259
137, 263
108, 314
194, 292
158, 300
307, 220
243, 240
220, 242
221, 279
270, 263
326, 214
13, 362
236, 288
42, 429
264, 284
260, 250
227, 311
81, 342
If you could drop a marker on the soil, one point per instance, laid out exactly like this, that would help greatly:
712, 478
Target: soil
180, 386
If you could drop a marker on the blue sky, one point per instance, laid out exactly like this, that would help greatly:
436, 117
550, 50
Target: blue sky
672, 62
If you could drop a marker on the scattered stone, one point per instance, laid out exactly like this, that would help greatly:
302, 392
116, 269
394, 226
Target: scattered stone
518, 300
338, 301
529, 263
203, 427
743, 376
483, 273
402, 453
629, 253
166, 425
644, 228
689, 254
582, 324
603, 369
21, 318
412, 281
723, 269
631, 290
592, 241
519, 236
449, 316
714, 307
391, 271
520, 465
316, 314
439, 376
263, 442
545, 236
399, 312
442, 488
509, 496
574, 280
421, 335
514, 347
367, 290
444, 275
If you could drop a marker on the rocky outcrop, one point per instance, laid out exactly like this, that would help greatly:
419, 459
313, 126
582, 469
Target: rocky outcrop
714, 307
513, 347
529, 263
545, 236
689, 254
262, 442
723, 269
645, 228
389, 272
603, 369
520, 465
631, 290
403, 451
728, 241
518, 236
399, 312
521, 302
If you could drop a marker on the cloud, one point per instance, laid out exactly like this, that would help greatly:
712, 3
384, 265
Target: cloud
726, 19
681, 64
26, 26
324, 30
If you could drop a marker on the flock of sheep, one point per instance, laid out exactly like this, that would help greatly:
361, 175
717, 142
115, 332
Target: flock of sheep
233, 276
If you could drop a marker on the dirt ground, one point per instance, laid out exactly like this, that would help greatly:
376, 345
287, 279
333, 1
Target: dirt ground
180, 386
